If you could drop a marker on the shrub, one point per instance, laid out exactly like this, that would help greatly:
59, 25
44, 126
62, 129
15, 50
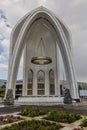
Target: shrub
24, 112
77, 116
34, 125
84, 122
31, 112
71, 118
65, 117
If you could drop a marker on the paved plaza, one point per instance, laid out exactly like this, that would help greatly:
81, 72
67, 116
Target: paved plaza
77, 108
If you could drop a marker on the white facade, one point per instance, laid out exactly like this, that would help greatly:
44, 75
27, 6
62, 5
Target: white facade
26, 35
41, 29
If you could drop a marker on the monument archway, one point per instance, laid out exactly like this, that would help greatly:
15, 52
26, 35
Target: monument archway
56, 33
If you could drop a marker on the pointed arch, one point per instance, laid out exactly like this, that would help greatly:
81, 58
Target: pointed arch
30, 82
41, 82
51, 82
63, 46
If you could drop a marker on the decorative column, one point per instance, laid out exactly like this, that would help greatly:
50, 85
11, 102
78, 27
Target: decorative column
47, 83
34, 83
25, 74
57, 89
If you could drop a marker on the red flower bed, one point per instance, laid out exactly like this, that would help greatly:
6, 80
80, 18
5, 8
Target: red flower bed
78, 128
9, 119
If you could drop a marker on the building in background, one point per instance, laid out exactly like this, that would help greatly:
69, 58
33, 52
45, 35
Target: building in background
82, 88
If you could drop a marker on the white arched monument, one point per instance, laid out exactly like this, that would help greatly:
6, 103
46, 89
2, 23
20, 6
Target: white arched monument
41, 33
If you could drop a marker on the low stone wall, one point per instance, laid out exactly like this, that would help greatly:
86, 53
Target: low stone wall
40, 100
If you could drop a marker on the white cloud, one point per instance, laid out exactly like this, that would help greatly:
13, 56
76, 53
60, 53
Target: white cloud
3, 66
4, 30
5, 54
5, 44
3, 71
2, 57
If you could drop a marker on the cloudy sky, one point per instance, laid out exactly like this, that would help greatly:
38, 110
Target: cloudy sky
72, 12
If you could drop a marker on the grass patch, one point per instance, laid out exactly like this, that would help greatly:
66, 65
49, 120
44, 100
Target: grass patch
84, 122
34, 125
64, 117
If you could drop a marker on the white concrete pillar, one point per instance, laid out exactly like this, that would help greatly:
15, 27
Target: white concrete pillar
57, 89
25, 74
35, 83
47, 83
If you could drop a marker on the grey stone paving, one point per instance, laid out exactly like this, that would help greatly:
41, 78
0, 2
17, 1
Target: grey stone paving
80, 108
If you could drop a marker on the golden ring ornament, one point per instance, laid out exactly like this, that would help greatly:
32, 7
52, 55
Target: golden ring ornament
41, 60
